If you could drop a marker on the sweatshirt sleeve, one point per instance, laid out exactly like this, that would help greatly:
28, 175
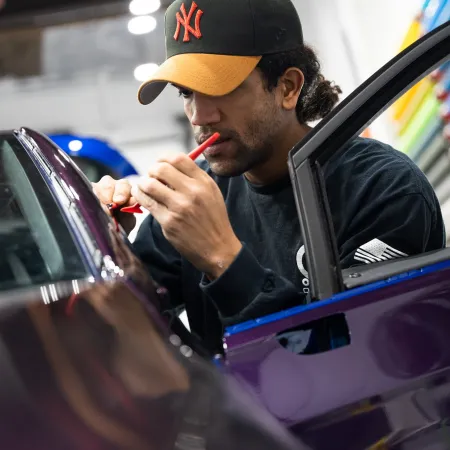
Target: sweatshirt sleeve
246, 290
162, 261
380, 233
249, 291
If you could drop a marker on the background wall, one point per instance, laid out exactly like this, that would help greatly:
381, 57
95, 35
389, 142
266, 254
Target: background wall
85, 83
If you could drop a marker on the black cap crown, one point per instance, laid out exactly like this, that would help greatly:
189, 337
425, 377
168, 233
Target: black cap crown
232, 27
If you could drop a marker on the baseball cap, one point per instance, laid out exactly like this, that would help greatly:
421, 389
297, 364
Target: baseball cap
212, 46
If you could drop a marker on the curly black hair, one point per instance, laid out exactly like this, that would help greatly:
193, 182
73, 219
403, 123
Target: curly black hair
318, 96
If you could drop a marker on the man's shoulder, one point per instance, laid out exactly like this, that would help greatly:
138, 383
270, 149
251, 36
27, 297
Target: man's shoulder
367, 151
365, 160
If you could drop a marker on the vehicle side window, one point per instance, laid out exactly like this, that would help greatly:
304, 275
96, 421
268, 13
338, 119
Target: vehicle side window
394, 208
371, 180
36, 245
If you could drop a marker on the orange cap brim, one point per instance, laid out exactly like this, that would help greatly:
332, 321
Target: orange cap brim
207, 74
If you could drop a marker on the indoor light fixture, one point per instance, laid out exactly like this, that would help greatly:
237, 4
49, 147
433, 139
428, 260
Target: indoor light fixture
143, 7
145, 71
141, 24
75, 145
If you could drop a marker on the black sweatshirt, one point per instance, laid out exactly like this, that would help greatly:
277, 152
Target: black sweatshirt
382, 206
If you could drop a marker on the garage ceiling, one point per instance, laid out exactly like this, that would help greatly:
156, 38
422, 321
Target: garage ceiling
13, 7
41, 13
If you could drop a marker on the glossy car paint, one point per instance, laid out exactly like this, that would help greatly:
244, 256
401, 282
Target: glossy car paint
95, 366
79, 189
94, 238
399, 348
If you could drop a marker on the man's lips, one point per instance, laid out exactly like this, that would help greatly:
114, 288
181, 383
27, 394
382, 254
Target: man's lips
203, 138
217, 148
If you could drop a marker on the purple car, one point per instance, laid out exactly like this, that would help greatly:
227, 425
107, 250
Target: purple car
88, 362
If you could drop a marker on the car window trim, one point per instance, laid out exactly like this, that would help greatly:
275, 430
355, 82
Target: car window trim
344, 123
370, 273
48, 292
63, 198
408, 64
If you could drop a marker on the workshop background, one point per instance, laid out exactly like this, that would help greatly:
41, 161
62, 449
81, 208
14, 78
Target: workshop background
71, 69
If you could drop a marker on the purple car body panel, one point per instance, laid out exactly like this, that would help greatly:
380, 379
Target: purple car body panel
83, 197
96, 365
98, 224
399, 348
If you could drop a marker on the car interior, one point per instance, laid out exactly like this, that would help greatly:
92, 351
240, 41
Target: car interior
358, 111
30, 227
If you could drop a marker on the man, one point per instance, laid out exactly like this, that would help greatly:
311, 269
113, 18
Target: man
223, 236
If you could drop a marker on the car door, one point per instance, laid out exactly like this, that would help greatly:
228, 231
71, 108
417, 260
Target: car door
85, 360
37, 244
103, 244
381, 377
73, 196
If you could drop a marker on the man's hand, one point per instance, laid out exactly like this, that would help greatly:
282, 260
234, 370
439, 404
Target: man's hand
190, 208
108, 190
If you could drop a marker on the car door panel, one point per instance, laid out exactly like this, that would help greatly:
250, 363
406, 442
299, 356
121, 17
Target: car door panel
393, 348
398, 346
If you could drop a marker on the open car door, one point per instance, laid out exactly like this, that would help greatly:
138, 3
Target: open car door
381, 378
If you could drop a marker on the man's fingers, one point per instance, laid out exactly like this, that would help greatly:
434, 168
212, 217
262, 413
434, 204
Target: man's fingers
158, 210
122, 192
104, 189
109, 190
151, 190
169, 175
184, 164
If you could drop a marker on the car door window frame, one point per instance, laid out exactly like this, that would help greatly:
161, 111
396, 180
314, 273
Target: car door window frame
49, 231
346, 122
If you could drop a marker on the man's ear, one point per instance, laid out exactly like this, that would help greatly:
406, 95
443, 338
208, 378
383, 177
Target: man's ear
292, 83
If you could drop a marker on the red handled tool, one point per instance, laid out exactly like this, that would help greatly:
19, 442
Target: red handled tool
136, 209
202, 147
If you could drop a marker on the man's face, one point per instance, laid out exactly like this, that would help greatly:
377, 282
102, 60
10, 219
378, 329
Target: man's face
248, 120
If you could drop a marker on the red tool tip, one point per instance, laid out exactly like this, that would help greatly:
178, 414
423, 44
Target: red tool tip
201, 148
136, 209
133, 209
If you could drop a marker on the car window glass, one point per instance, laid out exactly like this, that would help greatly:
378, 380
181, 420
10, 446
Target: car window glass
388, 201
36, 245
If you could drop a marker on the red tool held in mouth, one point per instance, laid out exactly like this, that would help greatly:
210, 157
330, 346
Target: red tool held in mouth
202, 147
136, 209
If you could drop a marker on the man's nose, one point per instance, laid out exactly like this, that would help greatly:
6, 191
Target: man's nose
203, 110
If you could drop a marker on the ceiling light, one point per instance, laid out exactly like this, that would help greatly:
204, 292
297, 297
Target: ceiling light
75, 145
143, 7
145, 71
141, 24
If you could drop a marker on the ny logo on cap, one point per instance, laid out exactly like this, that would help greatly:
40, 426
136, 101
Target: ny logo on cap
185, 22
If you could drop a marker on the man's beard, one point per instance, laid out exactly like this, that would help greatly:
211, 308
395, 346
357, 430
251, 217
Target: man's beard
246, 159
